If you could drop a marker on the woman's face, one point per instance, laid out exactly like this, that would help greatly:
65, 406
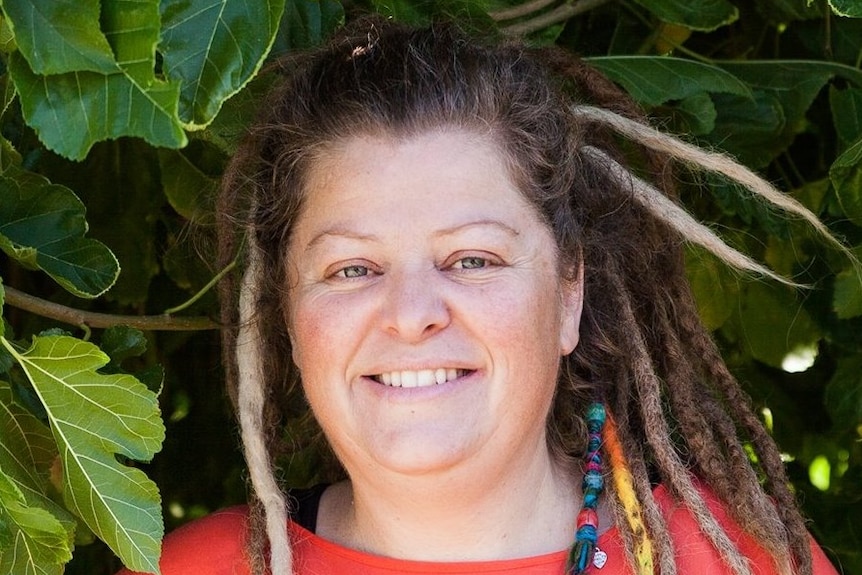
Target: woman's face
425, 306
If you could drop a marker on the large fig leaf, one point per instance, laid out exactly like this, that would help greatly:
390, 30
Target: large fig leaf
59, 36
42, 226
133, 31
213, 48
757, 130
94, 418
70, 112
654, 80
307, 23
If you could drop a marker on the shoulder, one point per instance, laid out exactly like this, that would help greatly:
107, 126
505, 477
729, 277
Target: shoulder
212, 545
695, 554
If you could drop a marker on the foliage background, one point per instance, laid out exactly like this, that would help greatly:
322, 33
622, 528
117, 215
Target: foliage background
129, 110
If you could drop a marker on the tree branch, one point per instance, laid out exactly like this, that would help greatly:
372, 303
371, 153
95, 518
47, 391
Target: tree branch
76, 317
553, 17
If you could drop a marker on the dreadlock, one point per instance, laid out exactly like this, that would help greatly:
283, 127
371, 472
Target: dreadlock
675, 413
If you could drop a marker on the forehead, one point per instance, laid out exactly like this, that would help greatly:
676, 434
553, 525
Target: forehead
448, 169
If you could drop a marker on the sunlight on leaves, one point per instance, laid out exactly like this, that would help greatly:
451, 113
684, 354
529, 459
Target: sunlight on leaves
799, 359
819, 472
94, 418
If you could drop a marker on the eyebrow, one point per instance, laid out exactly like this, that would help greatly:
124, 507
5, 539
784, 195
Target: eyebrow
485, 222
340, 231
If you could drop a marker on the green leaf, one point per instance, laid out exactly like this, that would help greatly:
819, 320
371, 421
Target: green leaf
94, 418
846, 176
846, 107
213, 48
654, 80
41, 531
307, 23
122, 342
38, 543
27, 450
703, 15
59, 36
843, 396
849, 8
184, 184
784, 90
770, 323
132, 28
715, 291
42, 225
794, 82
695, 115
71, 112
847, 300
749, 128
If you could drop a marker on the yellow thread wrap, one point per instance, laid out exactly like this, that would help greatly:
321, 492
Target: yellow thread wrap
624, 486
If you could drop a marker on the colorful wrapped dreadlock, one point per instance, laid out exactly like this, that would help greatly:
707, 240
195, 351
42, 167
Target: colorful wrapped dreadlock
625, 492
587, 531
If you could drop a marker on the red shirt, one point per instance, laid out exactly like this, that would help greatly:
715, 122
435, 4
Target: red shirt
214, 546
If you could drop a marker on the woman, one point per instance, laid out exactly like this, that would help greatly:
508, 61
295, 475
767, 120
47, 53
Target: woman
488, 316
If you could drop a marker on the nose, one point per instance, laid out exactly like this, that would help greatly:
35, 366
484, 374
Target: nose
415, 307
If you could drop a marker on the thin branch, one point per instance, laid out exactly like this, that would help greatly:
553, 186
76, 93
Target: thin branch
555, 16
217, 278
80, 318
520, 10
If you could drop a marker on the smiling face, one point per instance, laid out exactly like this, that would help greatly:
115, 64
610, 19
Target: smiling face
425, 306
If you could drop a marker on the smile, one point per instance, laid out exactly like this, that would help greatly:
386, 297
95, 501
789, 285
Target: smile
421, 378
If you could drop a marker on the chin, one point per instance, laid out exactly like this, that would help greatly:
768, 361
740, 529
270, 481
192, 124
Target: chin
423, 451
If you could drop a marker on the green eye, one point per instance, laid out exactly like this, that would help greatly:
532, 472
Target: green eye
472, 263
353, 272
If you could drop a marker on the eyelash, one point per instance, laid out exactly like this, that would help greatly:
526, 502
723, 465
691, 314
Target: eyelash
361, 271
342, 273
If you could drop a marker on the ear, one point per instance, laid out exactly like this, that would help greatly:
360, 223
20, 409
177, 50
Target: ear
572, 304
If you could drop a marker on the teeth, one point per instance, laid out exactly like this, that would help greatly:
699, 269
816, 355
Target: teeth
409, 379
422, 378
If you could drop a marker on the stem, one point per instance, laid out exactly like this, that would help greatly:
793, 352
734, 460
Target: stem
553, 17
520, 10
204, 289
86, 319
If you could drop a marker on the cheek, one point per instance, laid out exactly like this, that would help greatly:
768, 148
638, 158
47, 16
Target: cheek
324, 331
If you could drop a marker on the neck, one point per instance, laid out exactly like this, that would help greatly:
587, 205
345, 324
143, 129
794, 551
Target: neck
481, 513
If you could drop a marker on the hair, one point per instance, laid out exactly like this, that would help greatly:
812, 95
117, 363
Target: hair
570, 138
